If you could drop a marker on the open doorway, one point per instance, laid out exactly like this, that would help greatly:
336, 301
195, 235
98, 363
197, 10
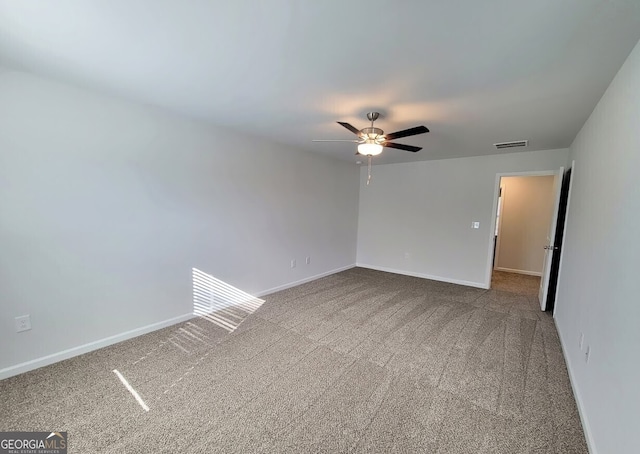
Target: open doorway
513, 272
523, 214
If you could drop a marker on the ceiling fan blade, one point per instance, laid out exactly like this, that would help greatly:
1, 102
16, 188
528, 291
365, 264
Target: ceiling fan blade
335, 140
406, 132
400, 146
351, 128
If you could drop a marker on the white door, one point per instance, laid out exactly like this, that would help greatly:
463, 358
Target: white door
550, 247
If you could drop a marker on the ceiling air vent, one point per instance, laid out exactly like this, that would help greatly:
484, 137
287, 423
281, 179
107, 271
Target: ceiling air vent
514, 144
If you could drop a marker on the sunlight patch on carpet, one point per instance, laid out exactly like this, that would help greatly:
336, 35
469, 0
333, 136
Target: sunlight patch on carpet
133, 392
220, 303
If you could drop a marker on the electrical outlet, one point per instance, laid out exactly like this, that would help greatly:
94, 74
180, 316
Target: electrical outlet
586, 354
475, 225
23, 323
293, 263
308, 260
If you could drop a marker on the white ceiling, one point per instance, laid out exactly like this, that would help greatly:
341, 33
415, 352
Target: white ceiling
474, 72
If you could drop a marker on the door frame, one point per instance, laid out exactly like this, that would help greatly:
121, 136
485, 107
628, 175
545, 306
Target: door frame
494, 213
501, 194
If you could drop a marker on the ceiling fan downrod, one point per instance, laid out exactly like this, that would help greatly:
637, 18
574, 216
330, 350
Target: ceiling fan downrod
372, 116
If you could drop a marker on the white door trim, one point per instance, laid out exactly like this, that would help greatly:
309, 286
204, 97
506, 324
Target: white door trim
501, 194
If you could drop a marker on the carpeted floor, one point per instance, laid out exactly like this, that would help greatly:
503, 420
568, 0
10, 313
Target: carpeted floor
515, 283
361, 361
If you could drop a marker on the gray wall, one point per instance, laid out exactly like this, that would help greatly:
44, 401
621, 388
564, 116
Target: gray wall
599, 289
415, 218
107, 206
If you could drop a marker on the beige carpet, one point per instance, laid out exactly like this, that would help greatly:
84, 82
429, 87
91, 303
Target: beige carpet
360, 361
515, 283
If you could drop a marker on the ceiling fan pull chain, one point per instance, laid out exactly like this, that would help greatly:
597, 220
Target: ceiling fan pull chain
369, 173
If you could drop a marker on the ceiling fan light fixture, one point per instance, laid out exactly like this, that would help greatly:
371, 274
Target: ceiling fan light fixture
370, 148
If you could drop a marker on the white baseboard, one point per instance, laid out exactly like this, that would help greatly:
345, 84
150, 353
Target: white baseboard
86, 348
75, 351
511, 270
576, 394
95, 345
304, 281
424, 276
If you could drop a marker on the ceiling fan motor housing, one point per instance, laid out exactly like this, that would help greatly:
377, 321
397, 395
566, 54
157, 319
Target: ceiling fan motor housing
372, 133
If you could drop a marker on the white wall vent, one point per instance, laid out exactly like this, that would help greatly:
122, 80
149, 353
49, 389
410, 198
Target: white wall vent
514, 144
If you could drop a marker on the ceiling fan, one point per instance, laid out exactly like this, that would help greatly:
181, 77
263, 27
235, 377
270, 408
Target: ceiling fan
372, 140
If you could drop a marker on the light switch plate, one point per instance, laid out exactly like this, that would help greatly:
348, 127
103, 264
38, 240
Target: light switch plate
475, 225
